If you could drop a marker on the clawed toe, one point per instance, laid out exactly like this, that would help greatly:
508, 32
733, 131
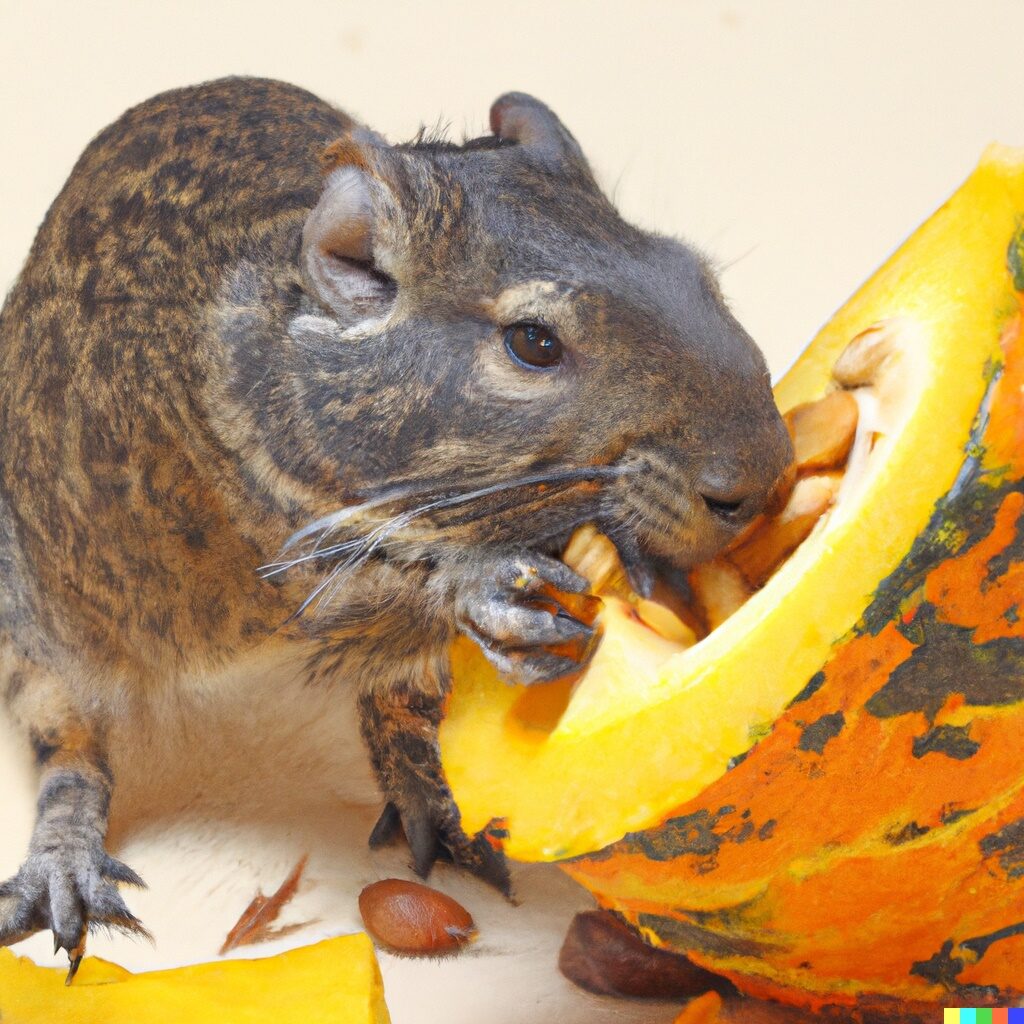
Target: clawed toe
107, 909
387, 829
430, 842
530, 616
20, 914
526, 666
70, 895
424, 841
489, 864
117, 871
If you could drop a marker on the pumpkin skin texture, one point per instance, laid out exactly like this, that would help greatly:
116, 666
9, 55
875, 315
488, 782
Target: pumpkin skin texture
866, 846
336, 981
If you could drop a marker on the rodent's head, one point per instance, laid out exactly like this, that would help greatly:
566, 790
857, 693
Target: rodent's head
479, 318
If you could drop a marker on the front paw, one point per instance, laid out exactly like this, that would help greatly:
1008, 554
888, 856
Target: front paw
66, 885
529, 613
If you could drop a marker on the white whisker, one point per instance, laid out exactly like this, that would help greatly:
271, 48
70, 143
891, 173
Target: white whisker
360, 549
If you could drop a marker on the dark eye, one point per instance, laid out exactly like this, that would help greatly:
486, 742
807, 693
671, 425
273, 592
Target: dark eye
533, 345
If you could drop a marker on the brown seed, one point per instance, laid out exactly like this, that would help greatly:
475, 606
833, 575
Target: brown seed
411, 918
860, 362
665, 622
762, 553
720, 589
594, 556
823, 431
604, 955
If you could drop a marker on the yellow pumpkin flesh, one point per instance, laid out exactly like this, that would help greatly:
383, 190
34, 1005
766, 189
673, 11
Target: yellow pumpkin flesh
336, 981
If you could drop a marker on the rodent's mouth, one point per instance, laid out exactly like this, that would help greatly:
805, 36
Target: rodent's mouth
689, 544
653, 517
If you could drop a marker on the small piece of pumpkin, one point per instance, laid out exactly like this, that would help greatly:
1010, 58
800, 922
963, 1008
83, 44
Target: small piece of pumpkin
336, 981
704, 1009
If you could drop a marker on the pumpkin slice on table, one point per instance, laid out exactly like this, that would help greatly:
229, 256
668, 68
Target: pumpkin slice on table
823, 798
336, 981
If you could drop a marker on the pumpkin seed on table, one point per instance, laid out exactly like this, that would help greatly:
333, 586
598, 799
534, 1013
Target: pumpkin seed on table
407, 917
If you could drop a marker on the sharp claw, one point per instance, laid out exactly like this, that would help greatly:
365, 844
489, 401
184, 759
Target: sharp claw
493, 869
387, 827
117, 871
76, 962
422, 839
71, 945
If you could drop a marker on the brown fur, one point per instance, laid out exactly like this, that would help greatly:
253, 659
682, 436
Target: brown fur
193, 367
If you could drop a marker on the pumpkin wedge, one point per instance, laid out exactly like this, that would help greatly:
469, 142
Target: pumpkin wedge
336, 981
824, 797
946, 296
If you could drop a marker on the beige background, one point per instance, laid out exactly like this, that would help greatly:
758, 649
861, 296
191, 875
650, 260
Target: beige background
798, 142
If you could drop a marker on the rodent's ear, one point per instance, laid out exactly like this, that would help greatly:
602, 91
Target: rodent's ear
517, 117
338, 246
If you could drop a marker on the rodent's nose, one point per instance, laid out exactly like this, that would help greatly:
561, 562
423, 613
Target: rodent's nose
734, 503
730, 506
752, 478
